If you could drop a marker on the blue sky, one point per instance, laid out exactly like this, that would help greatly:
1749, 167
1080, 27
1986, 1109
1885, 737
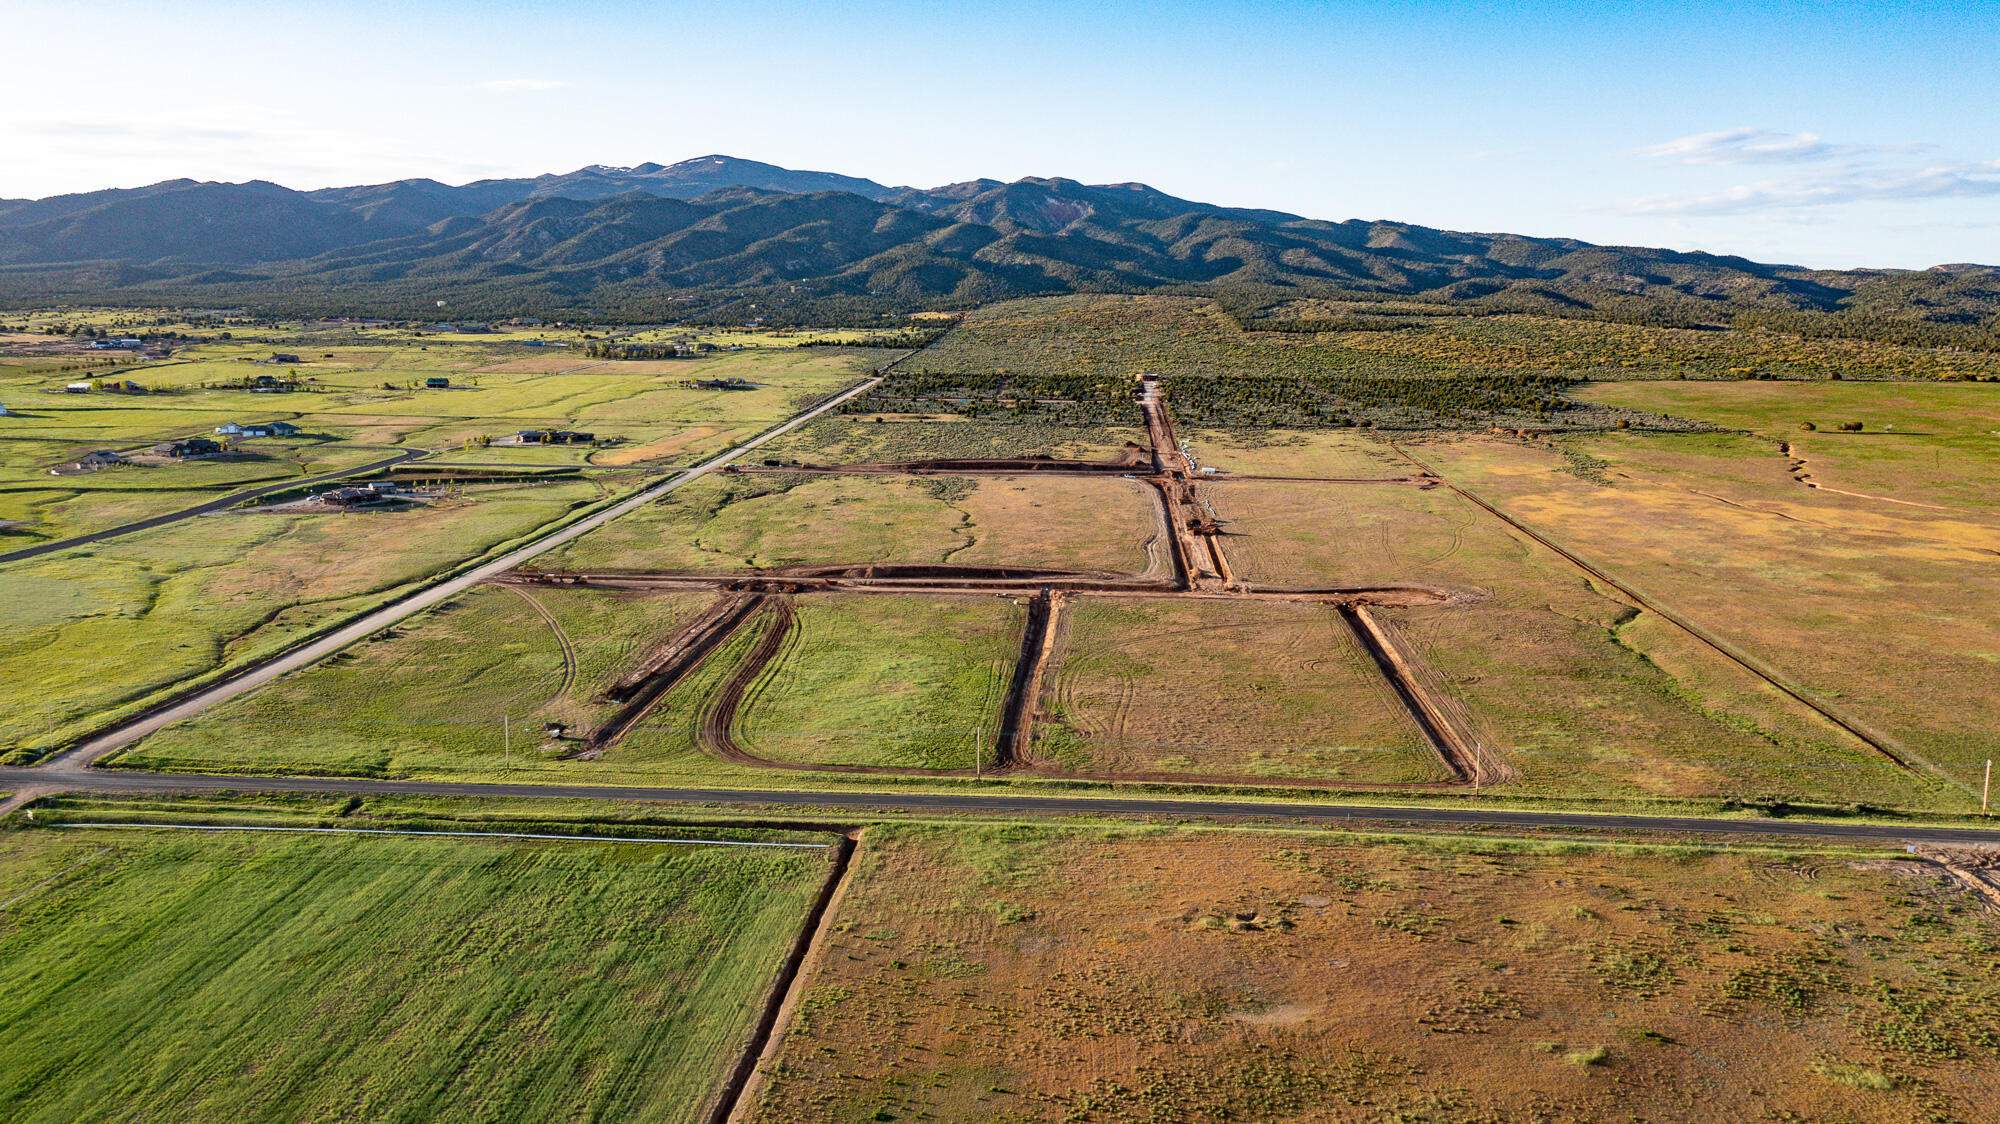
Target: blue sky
1822, 134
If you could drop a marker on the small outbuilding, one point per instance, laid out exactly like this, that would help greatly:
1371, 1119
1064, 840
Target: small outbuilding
437, 384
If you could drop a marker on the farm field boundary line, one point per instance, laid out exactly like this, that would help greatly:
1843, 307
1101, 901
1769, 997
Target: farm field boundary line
1900, 755
738, 1091
221, 504
125, 733
15, 777
455, 834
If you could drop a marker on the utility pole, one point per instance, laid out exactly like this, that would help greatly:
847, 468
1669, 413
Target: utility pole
506, 740
1986, 790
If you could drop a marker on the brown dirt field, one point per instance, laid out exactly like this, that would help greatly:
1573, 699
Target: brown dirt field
1886, 612
1016, 974
1308, 535
1279, 452
1581, 695
1223, 688
695, 440
745, 522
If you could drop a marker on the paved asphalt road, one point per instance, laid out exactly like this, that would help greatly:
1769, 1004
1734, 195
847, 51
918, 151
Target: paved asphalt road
310, 653
113, 781
226, 502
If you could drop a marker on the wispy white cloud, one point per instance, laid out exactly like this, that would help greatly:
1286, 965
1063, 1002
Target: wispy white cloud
520, 85
228, 142
1848, 183
1763, 146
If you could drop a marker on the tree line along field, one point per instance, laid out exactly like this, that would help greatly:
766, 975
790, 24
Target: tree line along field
1093, 335
1012, 973
159, 975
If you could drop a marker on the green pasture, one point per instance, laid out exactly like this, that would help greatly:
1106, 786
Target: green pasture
99, 629
431, 694
156, 975
901, 681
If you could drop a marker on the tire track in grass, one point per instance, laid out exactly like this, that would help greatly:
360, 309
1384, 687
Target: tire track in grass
562, 639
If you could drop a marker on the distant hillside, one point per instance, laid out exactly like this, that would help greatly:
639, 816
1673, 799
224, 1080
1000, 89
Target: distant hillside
638, 243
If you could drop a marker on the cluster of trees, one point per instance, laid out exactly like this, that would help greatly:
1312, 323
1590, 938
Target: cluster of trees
1049, 398
907, 339
1965, 330
1330, 401
610, 350
1919, 312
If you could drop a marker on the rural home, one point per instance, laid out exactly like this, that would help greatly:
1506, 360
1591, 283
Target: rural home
188, 447
90, 462
437, 384
346, 497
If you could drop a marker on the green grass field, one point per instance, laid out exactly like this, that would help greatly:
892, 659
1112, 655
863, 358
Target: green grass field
102, 627
429, 695
155, 975
871, 680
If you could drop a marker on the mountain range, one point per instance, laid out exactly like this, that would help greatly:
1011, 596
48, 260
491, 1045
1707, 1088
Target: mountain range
723, 232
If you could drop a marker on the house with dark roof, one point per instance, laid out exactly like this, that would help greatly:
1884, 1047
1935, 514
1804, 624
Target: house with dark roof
90, 462
188, 447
